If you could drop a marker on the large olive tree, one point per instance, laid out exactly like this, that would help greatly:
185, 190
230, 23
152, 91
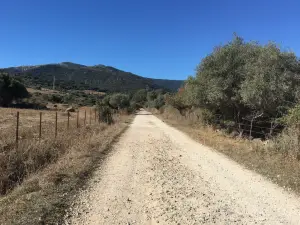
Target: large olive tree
242, 80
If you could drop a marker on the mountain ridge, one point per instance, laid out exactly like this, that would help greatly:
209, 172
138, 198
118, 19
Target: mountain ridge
70, 75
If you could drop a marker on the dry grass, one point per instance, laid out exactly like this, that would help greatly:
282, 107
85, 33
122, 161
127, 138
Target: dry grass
273, 159
42, 91
50, 91
38, 179
29, 123
91, 92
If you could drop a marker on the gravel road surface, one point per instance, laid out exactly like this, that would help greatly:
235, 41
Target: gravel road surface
155, 174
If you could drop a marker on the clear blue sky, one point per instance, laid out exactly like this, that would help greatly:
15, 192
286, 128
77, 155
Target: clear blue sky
154, 38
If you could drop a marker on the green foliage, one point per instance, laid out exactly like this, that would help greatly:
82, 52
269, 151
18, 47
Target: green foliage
105, 100
134, 101
105, 114
243, 82
151, 96
78, 97
11, 89
159, 101
292, 118
177, 101
133, 107
119, 101
55, 98
268, 80
70, 76
203, 115
140, 96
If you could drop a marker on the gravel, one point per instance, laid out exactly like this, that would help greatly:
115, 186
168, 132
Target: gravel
155, 174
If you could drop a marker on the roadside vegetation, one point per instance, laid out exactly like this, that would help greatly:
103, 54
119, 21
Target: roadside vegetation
39, 177
244, 101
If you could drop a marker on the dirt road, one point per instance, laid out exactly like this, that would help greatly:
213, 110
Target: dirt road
157, 175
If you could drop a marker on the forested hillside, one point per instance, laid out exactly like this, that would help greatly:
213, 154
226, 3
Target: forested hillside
75, 76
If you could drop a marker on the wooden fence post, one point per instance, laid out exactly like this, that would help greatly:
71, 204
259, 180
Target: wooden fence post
55, 124
84, 117
68, 125
77, 118
17, 131
40, 131
95, 115
90, 116
99, 116
298, 137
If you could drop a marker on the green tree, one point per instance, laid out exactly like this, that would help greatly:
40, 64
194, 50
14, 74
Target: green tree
119, 101
140, 96
11, 89
151, 96
243, 81
159, 101
268, 84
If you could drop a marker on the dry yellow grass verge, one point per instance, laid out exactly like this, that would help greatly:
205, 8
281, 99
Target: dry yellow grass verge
50, 172
261, 157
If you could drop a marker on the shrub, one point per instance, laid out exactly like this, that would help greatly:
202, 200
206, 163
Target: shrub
289, 141
56, 98
105, 114
292, 118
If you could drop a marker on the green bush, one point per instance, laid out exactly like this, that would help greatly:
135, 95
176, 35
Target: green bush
55, 98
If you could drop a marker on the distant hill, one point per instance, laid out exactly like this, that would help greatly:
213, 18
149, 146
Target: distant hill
99, 77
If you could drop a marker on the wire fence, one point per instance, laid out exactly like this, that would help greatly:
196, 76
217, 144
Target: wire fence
246, 127
46, 124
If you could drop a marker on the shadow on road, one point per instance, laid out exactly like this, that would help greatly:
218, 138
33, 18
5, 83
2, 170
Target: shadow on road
143, 114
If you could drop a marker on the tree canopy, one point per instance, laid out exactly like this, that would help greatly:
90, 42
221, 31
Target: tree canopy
240, 81
10, 89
